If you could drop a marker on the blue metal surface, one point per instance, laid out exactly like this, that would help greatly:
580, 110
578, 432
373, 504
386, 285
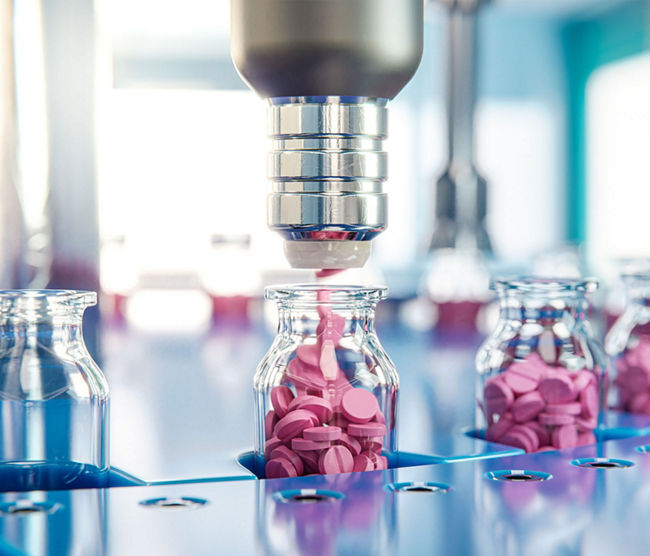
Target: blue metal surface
182, 413
450, 508
182, 406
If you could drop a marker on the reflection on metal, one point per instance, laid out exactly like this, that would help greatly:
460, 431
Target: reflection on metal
602, 463
518, 476
25, 507
420, 487
180, 503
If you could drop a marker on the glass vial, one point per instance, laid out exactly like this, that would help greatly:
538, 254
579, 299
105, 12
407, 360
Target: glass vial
326, 391
53, 396
628, 343
542, 375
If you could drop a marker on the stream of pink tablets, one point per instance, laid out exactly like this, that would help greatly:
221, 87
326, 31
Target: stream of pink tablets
537, 407
327, 425
633, 379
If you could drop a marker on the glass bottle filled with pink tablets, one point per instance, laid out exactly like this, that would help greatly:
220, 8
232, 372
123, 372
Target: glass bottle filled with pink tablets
542, 375
628, 343
326, 391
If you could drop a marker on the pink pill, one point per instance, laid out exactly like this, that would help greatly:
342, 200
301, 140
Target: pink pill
359, 405
556, 419
518, 439
321, 434
379, 461
363, 463
339, 420
635, 379
379, 417
318, 392
546, 449
310, 460
639, 403
521, 377
298, 400
318, 406
536, 361
270, 445
502, 426
351, 443
323, 295
279, 468
284, 452
336, 459
527, 406
586, 438
541, 431
565, 436
374, 444
309, 354
571, 408
586, 425
366, 429
582, 379
498, 397
292, 424
589, 401
328, 363
330, 327
530, 433
303, 445
269, 423
557, 387
281, 397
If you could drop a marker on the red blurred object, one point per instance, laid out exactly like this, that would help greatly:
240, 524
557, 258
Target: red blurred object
230, 307
458, 315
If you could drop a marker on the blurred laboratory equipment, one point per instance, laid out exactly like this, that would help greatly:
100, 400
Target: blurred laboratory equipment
54, 397
230, 277
565, 261
12, 229
542, 374
615, 297
461, 193
328, 70
118, 278
457, 277
628, 343
326, 391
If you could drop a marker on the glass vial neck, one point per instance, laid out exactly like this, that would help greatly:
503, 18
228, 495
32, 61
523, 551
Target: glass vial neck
45, 315
302, 307
537, 299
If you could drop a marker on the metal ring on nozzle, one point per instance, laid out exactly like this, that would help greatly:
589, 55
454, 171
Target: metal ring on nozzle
327, 168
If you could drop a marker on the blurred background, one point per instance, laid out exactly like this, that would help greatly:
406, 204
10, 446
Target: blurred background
132, 162
133, 155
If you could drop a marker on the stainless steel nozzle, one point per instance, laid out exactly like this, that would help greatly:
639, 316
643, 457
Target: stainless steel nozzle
327, 168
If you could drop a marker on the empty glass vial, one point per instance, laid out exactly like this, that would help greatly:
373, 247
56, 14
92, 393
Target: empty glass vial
628, 342
53, 396
542, 375
326, 391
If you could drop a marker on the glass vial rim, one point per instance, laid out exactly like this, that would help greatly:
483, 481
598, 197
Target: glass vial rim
542, 286
339, 294
32, 303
